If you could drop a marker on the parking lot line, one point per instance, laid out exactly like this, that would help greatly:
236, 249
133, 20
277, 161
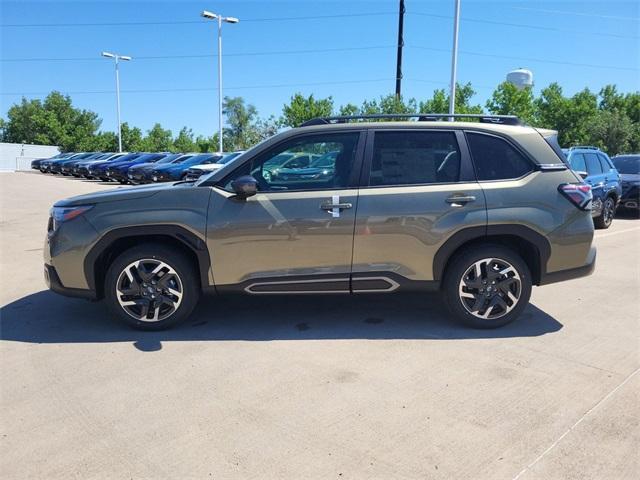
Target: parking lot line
578, 422
610, 234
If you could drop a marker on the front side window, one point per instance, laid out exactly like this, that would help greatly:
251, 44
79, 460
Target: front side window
593, 164
495, 159
605, 162
292, 165
414, 158
577, 162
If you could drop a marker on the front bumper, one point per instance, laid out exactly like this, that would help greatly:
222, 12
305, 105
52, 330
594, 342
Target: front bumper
54, 284
572, 273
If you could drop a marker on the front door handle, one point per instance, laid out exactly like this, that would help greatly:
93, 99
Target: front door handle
335, 207
331, 206
459, 200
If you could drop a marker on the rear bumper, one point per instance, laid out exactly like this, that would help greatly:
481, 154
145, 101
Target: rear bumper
572, 273
52, 280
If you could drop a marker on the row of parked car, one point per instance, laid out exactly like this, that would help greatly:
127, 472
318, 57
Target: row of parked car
615, 182
135, 167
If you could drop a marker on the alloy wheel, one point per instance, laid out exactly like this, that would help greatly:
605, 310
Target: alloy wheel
490, 288
149, 290
608, 211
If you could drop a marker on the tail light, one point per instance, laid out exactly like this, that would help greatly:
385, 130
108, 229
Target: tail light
577, 193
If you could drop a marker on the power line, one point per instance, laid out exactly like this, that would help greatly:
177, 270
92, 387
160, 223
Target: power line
203, 89
527, 59
191, 22
522, 25
578, 14
326, 50
203, 55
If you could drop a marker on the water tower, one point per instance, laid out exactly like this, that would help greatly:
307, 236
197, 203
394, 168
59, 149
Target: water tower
521, 78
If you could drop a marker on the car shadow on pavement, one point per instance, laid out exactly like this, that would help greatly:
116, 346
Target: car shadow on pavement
45, 317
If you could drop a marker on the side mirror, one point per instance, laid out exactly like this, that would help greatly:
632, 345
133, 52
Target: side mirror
245, 186
582, 174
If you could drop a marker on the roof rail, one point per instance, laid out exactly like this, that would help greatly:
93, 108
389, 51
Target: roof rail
585, 147
422, 117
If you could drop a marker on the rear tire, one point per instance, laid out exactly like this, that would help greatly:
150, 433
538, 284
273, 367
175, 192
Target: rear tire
605, 219
487, 286
151, 287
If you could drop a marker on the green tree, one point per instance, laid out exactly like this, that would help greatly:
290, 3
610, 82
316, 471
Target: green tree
507, 99
301, 108
131, 138
157, 140
53, 121
184, 142
241, 119
388, 104
439, 102
349, 109
612, 131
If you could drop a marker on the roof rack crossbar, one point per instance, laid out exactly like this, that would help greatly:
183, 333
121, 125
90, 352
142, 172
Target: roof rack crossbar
585, 147
423, 117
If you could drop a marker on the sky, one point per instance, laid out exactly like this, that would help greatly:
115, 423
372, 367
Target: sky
344, 49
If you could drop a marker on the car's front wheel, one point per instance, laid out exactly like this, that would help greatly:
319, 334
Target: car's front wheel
487, 286
151, 287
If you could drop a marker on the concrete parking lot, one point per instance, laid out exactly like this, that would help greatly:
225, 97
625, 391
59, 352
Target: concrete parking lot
319, 387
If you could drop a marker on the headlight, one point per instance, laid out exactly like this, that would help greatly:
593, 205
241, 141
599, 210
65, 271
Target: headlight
64, 214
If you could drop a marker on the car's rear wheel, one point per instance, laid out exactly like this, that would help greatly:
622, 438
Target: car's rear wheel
605, 219
151, 287
487, 286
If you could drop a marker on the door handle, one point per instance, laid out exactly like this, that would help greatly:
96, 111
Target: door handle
335, 207
331, 206
459, 200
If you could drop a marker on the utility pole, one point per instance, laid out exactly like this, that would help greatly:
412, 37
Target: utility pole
454, 60
400, 45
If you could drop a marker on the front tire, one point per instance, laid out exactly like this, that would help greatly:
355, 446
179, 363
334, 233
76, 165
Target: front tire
151, 287
487, 286
605, 219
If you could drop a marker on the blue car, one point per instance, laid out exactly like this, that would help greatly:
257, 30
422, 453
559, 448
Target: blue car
99, 169
117, 171
598, 171
177, 170
55, 166
35, 164
141, 173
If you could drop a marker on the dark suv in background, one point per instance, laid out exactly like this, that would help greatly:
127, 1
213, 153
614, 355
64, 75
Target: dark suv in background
629, 168
599, 172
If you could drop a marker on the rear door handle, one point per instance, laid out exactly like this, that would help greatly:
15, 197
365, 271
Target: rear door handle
460, 199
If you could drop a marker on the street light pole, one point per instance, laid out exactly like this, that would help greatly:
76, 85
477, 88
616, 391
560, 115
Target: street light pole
454, 60
117, 59
214, 16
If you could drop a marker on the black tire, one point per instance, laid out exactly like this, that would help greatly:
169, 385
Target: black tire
459, 266
605, 219
187, 280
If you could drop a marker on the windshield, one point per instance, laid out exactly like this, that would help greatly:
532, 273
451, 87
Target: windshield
169, 158
629, 164
203, 157
325, 161
227, 158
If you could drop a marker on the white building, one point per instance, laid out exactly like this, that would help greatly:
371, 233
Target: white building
18, 156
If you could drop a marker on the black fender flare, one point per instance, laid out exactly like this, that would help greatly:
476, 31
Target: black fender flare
189, 239
465, 235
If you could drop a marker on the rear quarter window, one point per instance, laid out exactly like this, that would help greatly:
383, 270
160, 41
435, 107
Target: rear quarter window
496, 159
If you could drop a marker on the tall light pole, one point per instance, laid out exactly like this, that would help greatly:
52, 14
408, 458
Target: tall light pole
214, 16
117, 59
454, 60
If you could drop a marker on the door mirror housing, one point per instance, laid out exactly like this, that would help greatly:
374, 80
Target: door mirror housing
245, 186
582, 174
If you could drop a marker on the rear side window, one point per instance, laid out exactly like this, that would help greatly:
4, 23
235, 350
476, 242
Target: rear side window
495, 159
593, 164
414, 158
577, 162
606, 163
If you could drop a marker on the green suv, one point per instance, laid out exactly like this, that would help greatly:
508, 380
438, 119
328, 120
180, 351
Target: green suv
481, 210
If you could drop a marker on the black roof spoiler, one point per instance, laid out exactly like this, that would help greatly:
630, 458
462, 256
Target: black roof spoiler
421, 117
